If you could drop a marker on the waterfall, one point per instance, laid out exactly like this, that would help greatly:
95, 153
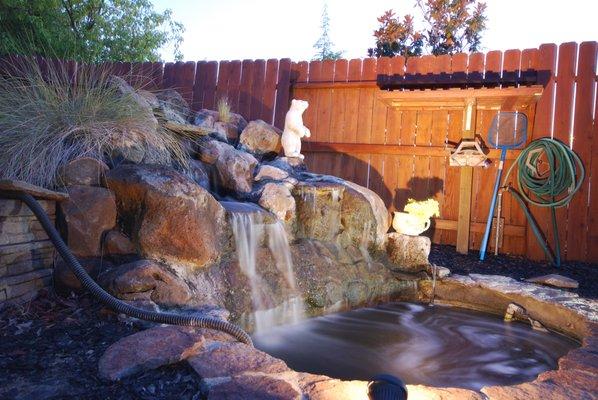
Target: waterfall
249, 229
279, 247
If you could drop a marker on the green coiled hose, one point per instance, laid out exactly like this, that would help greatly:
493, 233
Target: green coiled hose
554, 188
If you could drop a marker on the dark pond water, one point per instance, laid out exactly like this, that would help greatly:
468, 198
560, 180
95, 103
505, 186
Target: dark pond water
435, 346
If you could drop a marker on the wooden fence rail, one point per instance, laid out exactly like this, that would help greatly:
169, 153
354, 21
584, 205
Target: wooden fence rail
402, 153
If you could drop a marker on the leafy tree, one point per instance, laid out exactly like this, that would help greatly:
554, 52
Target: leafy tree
396, 37
324, 46
87, 30
450, 26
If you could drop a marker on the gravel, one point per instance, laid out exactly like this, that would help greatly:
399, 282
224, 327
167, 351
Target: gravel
516, 267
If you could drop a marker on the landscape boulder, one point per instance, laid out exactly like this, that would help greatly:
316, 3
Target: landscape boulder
277, 199
318, 206
235, 169
209, 150
365, 218
65, 280
555, 280
147, 280
409, 253
229, 359
117, 243
270, 172
173, 107
86, 215
200, 173
84, 171
148, 349
169, 217
226, 131
260, 138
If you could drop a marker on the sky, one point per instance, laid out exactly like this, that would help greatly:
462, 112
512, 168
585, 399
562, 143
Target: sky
254, 29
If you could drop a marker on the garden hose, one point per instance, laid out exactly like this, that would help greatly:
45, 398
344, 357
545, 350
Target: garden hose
554, 188
112, 302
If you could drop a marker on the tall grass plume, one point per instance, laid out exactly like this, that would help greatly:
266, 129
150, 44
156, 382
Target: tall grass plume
51, 114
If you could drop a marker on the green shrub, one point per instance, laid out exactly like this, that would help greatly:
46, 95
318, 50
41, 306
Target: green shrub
48, 118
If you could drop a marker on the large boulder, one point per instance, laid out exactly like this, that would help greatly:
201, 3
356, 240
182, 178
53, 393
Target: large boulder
332, 209
235, 169
209, 150
169, 217
277, 199
318, 210
87, 214
364, 216
147, 350
117, 243
173, 107
65, 280
260, 138
409, 253
269, 172
200, 173
229, 359
147, 280
85, 171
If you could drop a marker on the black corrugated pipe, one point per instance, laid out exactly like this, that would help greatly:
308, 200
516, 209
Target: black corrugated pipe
115, 304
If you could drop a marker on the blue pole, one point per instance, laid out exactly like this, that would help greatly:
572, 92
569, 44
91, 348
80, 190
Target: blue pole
503, 156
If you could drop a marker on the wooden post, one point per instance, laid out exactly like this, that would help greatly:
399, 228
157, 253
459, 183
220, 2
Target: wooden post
466, 181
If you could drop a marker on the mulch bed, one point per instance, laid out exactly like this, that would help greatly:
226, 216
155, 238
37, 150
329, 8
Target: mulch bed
516, 267
49, 348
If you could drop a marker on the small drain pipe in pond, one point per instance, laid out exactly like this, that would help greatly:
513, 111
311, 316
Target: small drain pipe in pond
112, 302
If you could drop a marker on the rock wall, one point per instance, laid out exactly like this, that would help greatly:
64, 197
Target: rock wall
26, 253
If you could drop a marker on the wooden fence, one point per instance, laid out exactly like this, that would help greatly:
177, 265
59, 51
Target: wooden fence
403, 153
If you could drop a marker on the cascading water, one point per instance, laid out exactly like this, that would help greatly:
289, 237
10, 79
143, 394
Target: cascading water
248, 230
279, 247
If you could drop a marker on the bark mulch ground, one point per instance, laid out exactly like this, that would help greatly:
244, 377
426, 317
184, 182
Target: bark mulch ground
49, 348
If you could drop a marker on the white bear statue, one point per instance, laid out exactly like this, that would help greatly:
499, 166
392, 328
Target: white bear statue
294, 129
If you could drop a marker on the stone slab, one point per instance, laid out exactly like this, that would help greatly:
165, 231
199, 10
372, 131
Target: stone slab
35, 191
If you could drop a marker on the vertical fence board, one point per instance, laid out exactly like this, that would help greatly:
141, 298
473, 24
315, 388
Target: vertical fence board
577, 230
592, 171
257, 89
167, 80
245, 90
270, 90
209, 100
322, 133
563, 117
234, 83
511, 66
185, 79
282, 92
352, 102
337, 131
546, 67
199, 85
222, 82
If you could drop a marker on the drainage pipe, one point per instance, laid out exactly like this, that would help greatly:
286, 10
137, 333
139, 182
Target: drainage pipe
107, 299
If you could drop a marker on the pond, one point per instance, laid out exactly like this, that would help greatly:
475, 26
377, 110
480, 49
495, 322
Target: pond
430, 345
